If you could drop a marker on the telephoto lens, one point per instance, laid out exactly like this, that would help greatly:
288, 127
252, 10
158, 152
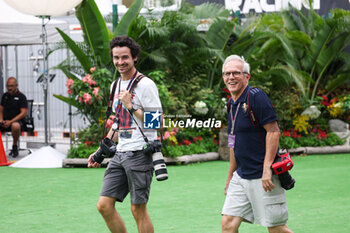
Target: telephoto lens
159, 166
158, 162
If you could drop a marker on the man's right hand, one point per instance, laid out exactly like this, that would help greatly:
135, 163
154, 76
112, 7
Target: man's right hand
92, 163
226, 187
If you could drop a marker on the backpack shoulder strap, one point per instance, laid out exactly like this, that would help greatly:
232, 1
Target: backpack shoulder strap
252, 116
228, 105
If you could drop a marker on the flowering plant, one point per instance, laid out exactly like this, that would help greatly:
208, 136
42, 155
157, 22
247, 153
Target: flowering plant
185, 141
201, 107
89, 95
317, 136
336, 107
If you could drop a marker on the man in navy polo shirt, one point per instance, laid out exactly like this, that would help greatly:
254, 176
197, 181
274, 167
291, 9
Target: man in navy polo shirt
13, 109
253, 193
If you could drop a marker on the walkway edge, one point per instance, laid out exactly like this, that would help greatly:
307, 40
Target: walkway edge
213, 156
320, 150
185, 159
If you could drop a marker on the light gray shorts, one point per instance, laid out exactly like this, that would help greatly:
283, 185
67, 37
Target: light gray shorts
128, 172
248, 200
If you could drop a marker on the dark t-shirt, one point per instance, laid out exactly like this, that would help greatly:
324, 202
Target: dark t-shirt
249, 148
12, 104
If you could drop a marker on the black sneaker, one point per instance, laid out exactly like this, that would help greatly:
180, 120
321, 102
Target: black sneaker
14, 151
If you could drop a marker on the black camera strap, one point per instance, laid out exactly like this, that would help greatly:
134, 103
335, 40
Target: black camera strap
130, 88
109, 108
110, 101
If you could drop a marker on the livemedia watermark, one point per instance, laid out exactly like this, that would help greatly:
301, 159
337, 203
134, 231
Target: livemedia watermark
152, 120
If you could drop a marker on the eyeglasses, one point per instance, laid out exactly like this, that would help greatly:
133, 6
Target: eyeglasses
235, 74
11, 85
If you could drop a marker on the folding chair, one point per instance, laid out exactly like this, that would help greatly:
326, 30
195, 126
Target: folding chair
27, 127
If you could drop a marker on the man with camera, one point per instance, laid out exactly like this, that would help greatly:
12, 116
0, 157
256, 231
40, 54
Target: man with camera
131, 168
253, 192
13, 110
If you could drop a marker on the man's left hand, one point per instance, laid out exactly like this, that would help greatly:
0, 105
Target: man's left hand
267, 180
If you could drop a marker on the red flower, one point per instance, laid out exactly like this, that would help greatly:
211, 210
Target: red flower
295, 134
286, 133
322, 134
69, 83
92, 69
87, 98
226, 90
228, 93
216, 141
187, 142
325, 101
88, 143
334, 100
110, 121
199, 138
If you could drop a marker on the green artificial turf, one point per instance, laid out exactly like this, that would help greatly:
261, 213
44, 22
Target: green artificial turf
64, 200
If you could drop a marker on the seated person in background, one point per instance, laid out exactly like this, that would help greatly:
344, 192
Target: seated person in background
13, 110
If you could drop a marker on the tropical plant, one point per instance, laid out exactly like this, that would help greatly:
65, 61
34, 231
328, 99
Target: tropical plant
89, 95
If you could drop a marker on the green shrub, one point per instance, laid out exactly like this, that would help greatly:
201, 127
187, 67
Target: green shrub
198, 147
330, 139
81, 151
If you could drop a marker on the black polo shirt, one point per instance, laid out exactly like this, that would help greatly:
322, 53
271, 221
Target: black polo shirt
12, 104
249, 148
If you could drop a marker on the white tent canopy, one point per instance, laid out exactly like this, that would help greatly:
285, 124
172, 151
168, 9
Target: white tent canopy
20, 29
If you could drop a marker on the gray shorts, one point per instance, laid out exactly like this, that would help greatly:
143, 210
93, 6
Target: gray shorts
128, 172
248, 200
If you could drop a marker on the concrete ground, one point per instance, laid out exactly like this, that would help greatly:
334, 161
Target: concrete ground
29, 144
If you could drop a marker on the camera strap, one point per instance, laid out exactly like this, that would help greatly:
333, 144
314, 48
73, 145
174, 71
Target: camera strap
111, 97
130, 88
143, 134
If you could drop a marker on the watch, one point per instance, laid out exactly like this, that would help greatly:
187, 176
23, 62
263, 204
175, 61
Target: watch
132, 110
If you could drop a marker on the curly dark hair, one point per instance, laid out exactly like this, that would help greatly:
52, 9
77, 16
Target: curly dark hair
125, 41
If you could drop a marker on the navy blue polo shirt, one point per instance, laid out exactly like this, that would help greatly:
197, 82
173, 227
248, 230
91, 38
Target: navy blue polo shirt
249, 145
12, 104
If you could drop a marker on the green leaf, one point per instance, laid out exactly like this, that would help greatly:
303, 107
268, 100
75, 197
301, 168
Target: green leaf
95, 31
210, 10
335, 47
122, 28
219, 33
288, 48
66, 72
318, 45
339, 80
299, 37
299, 77
67, 100
79, 54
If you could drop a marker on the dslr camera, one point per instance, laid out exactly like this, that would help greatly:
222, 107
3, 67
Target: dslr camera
107, 149
155, 149
281, 166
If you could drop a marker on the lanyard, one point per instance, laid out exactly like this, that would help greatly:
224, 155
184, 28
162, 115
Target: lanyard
234, 119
